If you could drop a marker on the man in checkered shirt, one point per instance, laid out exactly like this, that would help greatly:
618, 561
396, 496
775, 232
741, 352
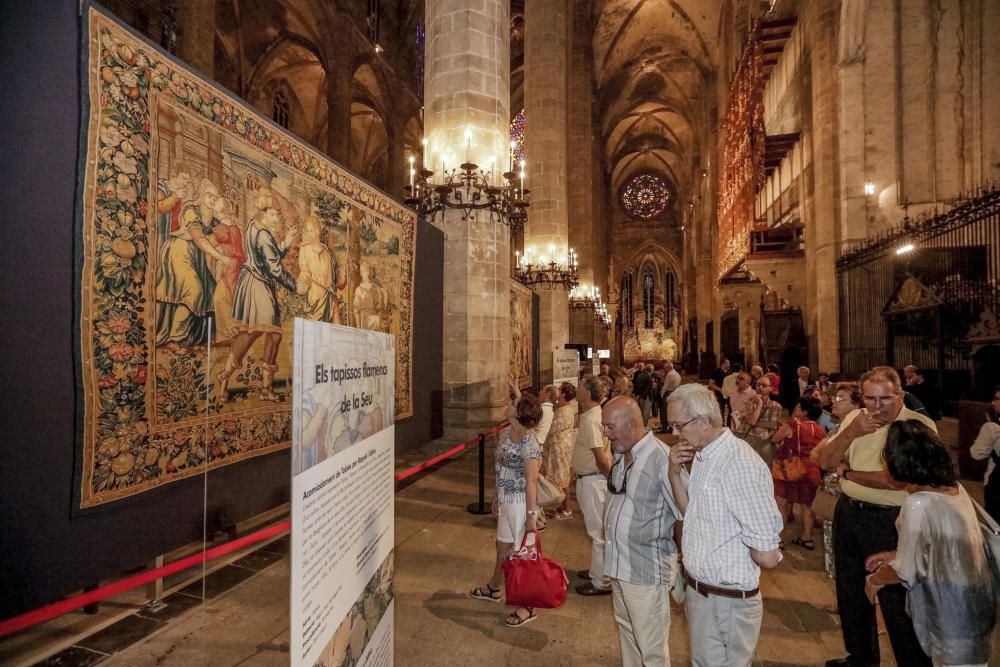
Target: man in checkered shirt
731, 529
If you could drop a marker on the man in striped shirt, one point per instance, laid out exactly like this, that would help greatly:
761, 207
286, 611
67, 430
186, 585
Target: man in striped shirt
640, 555
731, 529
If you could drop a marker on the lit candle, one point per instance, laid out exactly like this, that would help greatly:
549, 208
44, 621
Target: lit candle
522, 186
468, 144
412, 172
423, 157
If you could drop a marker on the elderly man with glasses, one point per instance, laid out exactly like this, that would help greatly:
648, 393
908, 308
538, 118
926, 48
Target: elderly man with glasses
731, 528
864, 522
640, 554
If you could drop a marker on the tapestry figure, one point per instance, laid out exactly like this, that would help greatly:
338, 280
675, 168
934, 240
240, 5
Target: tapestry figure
255, 305
184, 285
319, 275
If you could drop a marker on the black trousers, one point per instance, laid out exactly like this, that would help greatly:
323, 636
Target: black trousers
857, 534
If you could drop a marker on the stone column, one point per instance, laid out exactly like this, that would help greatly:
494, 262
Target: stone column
467, 90
820, 21
397, 167
339, 81
580, 168
546, 34
196, 35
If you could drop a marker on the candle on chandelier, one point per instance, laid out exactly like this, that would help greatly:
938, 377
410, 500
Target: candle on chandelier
423, 156
522, 184
412, 172
468, 144
510, 165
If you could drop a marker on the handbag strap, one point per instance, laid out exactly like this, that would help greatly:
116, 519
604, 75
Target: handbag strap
538, 542
987, 520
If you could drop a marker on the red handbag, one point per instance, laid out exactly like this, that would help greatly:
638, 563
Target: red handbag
531, 580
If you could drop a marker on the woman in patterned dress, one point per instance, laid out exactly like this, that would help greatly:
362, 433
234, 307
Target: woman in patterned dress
558, 447
763, 414
846, 398
516, 469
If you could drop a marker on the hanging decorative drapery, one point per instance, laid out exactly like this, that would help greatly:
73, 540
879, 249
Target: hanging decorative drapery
743, 156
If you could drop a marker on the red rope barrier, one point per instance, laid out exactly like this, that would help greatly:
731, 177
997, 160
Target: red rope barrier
57, 609
65, 606
451, 452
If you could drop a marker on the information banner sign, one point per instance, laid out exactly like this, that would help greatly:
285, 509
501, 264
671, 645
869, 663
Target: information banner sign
565, 366
342, 496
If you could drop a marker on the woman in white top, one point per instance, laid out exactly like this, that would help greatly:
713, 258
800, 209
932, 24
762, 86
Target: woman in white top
940, 558
987, 445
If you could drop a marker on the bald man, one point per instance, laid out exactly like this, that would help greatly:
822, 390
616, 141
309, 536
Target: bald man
640, 555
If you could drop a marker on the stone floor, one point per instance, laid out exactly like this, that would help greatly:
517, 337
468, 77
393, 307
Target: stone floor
441, 552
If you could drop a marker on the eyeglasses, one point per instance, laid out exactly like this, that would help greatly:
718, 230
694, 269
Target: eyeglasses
879, 400
612, 487
676, 428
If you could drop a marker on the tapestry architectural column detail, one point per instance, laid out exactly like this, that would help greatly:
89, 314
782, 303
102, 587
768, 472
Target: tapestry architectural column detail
546, 59
821, 232
196, 35
466, 116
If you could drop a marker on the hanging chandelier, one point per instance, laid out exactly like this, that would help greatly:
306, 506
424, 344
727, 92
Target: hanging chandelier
546, 271
470, 189
582, 297
601, 316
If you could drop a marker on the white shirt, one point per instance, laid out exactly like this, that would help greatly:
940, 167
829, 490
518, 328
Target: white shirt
731, 509
987, 441
671, 381
802, 385
729, 385
542, 430
589, 436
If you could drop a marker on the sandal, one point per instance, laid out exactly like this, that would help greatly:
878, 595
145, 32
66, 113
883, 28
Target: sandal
485, 593
515, 620
562, 516
805, 544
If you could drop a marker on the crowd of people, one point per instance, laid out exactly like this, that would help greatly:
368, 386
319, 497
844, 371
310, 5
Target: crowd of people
698, 519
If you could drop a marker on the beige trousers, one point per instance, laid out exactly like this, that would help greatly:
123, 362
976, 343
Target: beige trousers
724, 631
643, 616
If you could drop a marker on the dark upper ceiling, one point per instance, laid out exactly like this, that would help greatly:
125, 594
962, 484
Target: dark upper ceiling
652, 61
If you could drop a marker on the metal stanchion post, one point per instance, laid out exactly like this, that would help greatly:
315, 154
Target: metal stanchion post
481, 507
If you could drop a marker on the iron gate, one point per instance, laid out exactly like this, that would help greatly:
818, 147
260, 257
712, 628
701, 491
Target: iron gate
917, 306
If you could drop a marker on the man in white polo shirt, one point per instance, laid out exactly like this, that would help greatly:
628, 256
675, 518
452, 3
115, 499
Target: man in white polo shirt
591, 463
640, 555
731, 529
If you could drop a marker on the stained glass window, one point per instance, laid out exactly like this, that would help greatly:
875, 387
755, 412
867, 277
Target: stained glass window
517, 135
645, 196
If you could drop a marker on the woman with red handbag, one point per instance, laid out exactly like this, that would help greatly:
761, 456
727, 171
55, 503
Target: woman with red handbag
796, 478
518, 457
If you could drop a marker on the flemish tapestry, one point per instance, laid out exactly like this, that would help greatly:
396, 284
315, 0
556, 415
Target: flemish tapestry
205, 231
521, 343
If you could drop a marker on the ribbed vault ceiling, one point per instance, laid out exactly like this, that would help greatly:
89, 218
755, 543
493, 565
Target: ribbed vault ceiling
652, 60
